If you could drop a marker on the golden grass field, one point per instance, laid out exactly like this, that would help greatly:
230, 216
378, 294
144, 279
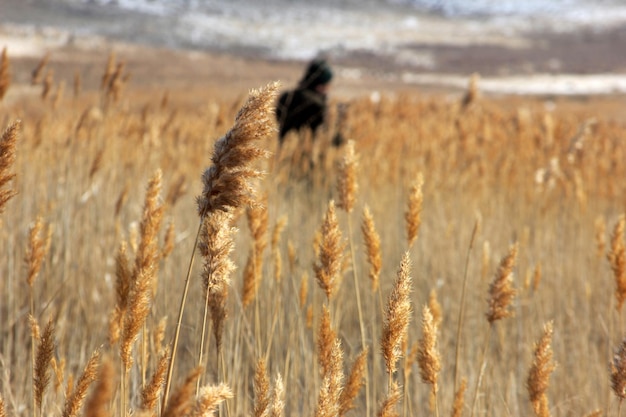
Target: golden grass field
502, 215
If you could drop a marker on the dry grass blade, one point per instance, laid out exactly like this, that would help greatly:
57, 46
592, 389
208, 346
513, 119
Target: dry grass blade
397, 316
328, 267
102, 393
8, 142
539, 374
501, 291
89, 375
45, 350
372, 247
347, 185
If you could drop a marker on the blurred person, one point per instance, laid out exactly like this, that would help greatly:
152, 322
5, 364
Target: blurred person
306, 105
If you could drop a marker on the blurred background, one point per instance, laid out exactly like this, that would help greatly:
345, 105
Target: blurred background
517, 47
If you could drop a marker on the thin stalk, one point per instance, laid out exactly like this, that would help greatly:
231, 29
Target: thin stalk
358, 304
482, 368
32, 351
203, 337
462, 312
181, 310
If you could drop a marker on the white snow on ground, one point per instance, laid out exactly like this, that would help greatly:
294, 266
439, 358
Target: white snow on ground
540, 84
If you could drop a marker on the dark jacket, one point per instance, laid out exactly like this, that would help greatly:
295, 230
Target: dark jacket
305, 106
298, 109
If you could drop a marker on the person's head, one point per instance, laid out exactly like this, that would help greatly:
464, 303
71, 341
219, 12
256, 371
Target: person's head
317, 76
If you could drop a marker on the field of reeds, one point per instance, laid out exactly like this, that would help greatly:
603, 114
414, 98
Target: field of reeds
456, 256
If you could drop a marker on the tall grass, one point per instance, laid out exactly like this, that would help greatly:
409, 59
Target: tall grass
542, 180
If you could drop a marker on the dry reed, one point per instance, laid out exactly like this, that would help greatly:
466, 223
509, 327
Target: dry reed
354, 383
180, 404
209, 399
617, 260
328, 267
388, 406
397, 316
150, 394
372, 247
98, 403
501, 290
8, 142
41, 370
540, 371
5, 75
75, 400
413, 214
618, 374
459, 399
262, 396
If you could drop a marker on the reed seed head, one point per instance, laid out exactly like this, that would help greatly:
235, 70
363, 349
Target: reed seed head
501, 290
347, 185
328, 267
539, 374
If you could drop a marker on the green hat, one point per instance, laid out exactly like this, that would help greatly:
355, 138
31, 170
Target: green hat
317, 73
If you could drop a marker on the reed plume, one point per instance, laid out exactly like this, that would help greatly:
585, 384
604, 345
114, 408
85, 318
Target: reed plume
8, 142
347, 185
539, 374
325, 338
41, 371
501, 290
459, 399
356, 380
328, 267
181, 402
102, 394
617, 260
123, 283
277, 407
35, 253
328, 404
227, 181
150, 394
388, 406
262, 395
397, 316
3, 411
209, 399
216, 244
280, 225
75, 400
501, 295
226, 184
258, 218
618, 374
413, 214
372, 247
428, 357
144, 271
5, 75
